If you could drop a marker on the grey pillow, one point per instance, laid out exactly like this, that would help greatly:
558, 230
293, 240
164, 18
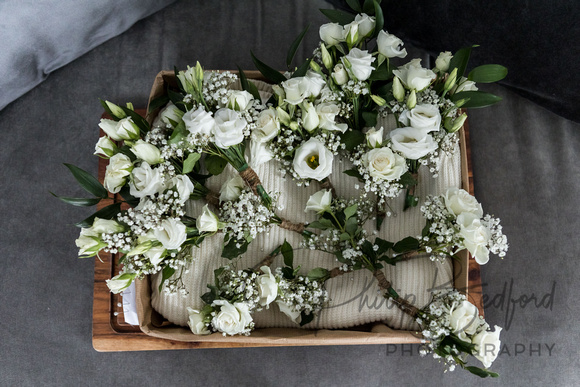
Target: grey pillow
40, 36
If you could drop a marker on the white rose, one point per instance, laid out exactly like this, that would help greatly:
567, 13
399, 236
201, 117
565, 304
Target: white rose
120, 282
199, 121
415, 77
375, 137
267, 286
207, 221
146, 181
360, 63
312, 160
319, 202
146, 152
183, 186
267, 126
390, 46
231, 319
331, 34
229, 128
240, 100
313, 82
339, 74
123, 129
288, 310
88, 242
487, 346
383, 164
361, 27
155, 254
475, 236
117, 170
172, 234
423, 116
260, 153
310, 118
197, 322
166, 115
295, 90
327, 112
232, 189
459, 201
412, 143
106, 226
105, 147
442, 61
464, 320
464, 84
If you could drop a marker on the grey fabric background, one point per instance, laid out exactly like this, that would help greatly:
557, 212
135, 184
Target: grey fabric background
526, 168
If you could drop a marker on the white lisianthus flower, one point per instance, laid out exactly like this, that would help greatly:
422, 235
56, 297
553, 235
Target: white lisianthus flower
120, 282
390, 46
197, 323
105, 147
464, 84
339, 74
319, 202
384, 164
475, 236
240, 100
423, 116
359, 63
442, 61
413, 76
183, 186
267, 126
361, 27
412, 143
459, 201
464, 320
232, 189
229, 128
207, 221
88, 242
146, 152
310, 118
155, 254
331, 34
267, 286
146, 181
375, 137
327, 112
166, 115
123, 129
260, 153
106, 226
312, 160
231, 319
289, 311
487, 346
313, 82
199, 121
172, 233
119, 167
296, 90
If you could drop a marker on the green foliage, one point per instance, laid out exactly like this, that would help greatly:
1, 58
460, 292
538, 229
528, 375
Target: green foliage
79, 202
165, 275
352, 138
190, 161
476, 99
157, 103
482, 373
318, 274
215, 164
108, 212
460, 60
248, 86
288, 254
305, 318
380, 20
354, 173
272, 75
231, 250
302, 69
405, 245
488, 73
294, 46
370, 118
88, 182
336, 16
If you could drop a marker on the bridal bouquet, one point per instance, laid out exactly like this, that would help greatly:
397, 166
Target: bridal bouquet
385, 116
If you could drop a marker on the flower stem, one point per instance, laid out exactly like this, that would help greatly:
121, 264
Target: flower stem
267, 261
386, 286
327, 184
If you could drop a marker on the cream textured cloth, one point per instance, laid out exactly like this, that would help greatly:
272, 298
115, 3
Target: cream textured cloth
354, 297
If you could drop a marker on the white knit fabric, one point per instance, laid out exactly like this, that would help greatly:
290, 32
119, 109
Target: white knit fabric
354, 296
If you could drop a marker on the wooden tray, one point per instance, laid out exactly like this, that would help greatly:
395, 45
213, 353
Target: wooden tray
112, 334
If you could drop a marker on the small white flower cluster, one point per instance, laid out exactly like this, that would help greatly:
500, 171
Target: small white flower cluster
300, 295
246, 217
356, 88
331, 141
443, 233
498, 244
216, 87
240, 286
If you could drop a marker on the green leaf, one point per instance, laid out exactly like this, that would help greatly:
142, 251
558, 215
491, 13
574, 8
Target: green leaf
354, 173
190, 161
488, 73
405, 245
321, 224
351, 226
210, 296
350, 211
407, 180
426, 230
125, 193
272, 75
288, 273
231, 250
302, 69
215, 164
141, 122
345, 236
88, 181
336, 16
306, 318
294, 46
370, 118
157, 103
481, 372
79, 202
384, 245
288, 254
369, 7
167, 272
339, 256
476, 99
460, 60
352, 138
108, 212
355, 5
382, 73
248, 86
318, 274
177, 99
380, 20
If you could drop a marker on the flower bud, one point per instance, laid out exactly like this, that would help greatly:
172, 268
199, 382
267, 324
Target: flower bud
378, 100
146, 152
398, 89
339, 74
120, 282
375, 137
326, 58
450, 82
207, 221
310, 120
453, 125
116, 110
105, 148
294, 125
283, 116
412, 99
315, 66
442, 61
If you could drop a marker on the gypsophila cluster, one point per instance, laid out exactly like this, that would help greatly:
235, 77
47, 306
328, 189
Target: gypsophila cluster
300, 295
246, 217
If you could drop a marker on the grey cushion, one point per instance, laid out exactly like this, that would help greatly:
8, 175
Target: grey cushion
38, 37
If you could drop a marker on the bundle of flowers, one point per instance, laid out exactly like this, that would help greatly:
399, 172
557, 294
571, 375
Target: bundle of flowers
381, 119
